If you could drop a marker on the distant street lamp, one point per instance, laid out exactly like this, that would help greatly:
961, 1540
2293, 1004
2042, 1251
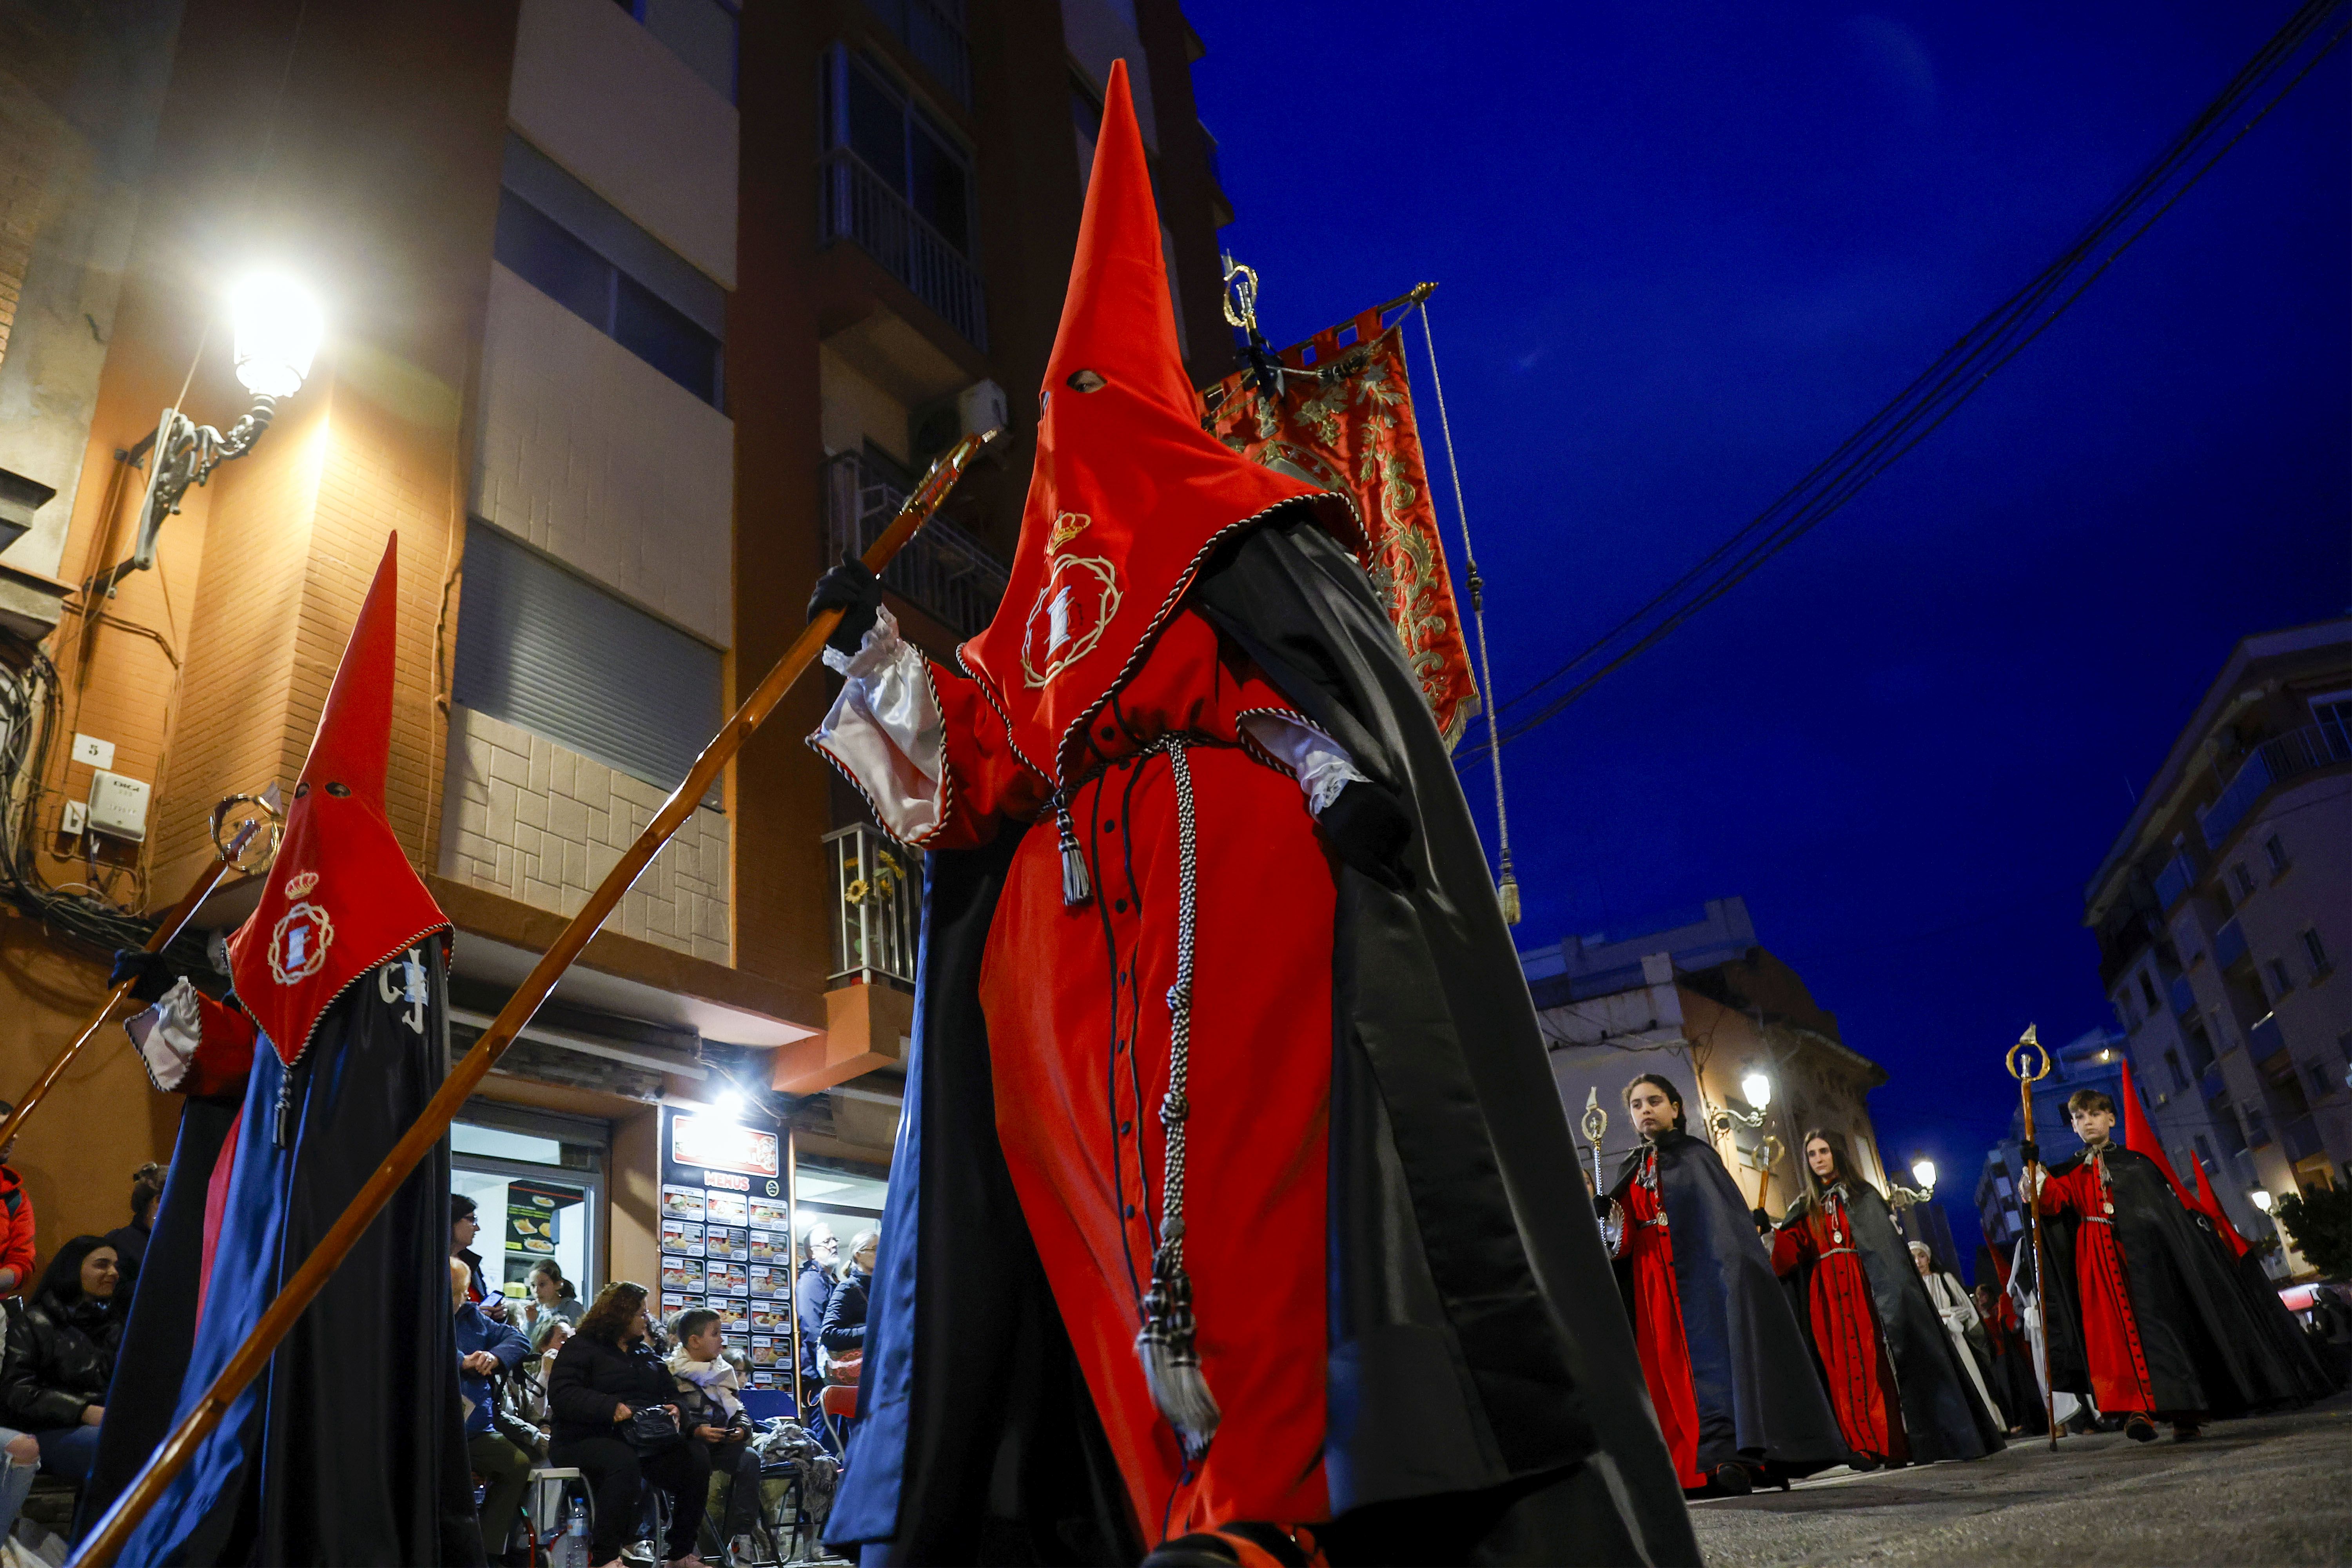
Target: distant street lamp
2262, 1200
1923, 1171
278, 325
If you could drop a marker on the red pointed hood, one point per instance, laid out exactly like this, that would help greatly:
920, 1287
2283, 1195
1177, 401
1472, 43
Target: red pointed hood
343, 897
2140, 1138
1128, 492
2206, 1200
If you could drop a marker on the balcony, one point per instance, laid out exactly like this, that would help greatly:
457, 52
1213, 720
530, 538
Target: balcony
2229, 944
857, 203
2301, 1139
878, 905
943, 572
2264, 1039
2272, 762
2183, 996
2173, 883
932, 31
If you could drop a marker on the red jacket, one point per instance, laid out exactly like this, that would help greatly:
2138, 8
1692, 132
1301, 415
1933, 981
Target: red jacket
15, 1230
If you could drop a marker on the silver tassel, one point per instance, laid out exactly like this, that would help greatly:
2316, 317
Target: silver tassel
1166, 1345
1077, 887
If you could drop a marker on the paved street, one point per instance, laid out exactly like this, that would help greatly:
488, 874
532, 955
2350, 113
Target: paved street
2273, 1489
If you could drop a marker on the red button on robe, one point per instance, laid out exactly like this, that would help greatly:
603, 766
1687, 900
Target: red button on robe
2111, 1341
1075, 1000
1846, 1329
1658, 1335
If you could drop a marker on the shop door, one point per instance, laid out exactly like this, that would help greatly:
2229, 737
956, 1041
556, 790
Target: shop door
539, 1182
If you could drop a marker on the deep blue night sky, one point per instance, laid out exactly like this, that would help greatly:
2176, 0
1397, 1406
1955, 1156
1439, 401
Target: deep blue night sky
1684, 251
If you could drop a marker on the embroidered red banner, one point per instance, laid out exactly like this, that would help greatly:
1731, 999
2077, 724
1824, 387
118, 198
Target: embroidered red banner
1348, 422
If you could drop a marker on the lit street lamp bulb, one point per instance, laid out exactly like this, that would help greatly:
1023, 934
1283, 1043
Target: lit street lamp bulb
279, 325
2262, 1200
1758, 1088
1923, 1172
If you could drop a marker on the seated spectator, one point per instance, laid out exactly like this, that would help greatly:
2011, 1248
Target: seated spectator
552, 1298
15, 1221
708, 1387
464, 1226
487, 1350
531, 1386
606, 1375
130, 1241
60, 1355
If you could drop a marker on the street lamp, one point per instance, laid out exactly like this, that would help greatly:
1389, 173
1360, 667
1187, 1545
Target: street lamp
1923, 1171
2262, 1200
277, 325
1759, 1090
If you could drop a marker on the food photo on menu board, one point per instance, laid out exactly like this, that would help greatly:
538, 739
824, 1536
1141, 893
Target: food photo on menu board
681, 1203
767, 1317
767, 1247
769, 1212
732, 1319
728, 1278
763, 1352
727, 1208
681, 1236
765, 1278
673, 1304
725, 1241
681, 1274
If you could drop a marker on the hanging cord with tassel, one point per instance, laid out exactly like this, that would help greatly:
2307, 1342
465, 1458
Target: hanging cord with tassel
1172, 1360
1507, 886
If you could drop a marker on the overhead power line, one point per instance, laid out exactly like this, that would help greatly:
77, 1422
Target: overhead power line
1938, 393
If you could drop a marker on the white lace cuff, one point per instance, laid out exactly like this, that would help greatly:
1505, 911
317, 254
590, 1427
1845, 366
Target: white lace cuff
1320, 764
168, 1034
886, 731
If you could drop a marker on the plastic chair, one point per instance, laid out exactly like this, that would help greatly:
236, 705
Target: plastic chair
535, 1502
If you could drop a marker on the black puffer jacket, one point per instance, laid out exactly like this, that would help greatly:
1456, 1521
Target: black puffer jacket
591, 1377
59, 1360
845, 1314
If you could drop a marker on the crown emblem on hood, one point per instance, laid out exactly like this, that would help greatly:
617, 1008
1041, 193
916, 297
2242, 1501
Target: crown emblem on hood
298, 886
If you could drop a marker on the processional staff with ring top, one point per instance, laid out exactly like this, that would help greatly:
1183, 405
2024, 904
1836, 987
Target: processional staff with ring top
1596, 1122
2022, 1063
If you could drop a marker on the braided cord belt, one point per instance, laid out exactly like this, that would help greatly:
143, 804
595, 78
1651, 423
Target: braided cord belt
1171, 1359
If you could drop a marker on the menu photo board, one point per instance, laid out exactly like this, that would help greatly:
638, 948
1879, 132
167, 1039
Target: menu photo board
769, 1213
680, 1202
733, 1318
770, 1317
683, 1237
765, 1354
714, 1142
727, 1241
532, 1213
767, 1280
726, 1279
726, 1208
682, 1274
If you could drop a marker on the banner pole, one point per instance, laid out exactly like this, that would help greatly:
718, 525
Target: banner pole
113, 1530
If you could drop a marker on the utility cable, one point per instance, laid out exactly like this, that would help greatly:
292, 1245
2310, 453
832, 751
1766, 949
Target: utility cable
1953, 378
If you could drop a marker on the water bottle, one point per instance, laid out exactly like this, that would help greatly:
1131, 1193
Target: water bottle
573, 1553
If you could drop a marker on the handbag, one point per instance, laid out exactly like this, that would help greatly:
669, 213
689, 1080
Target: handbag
842, 1368
651, 1429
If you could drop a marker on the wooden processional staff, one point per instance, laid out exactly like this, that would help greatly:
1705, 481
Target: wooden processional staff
173, 923
107, 1539
2022, 1058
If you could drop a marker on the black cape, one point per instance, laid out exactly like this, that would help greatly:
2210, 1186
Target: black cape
1484, 1399
349, 1449
2205, 1350
2282, 1341
1942, 1415
1760, 1398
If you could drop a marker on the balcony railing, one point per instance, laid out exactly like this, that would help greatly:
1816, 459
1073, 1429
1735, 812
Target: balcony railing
857, 203
2272, 762
878, 905
2184, 996
2264, 1039
933, 32
946, 572
2173, 883
2229, 943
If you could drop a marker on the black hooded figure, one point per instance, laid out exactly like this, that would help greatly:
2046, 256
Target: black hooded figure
1758, 1402
1941, 1413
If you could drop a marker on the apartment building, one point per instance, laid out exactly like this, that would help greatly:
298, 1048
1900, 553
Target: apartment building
1695, 997
2221, 909
638, 313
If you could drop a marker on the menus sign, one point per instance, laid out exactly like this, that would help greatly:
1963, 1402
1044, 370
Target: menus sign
723, 1231
531, 1210
721, 1143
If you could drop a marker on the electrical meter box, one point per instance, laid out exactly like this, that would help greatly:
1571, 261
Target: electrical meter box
118, 806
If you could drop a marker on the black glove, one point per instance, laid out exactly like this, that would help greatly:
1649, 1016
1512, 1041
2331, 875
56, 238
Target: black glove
148, 975
853, 590
1366, 828
2030, 1152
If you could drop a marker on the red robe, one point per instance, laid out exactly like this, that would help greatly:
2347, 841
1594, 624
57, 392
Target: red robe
1074, 998
2118, 1363
1855, 1366
1649, 1247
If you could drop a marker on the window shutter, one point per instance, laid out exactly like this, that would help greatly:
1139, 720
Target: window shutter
543, 649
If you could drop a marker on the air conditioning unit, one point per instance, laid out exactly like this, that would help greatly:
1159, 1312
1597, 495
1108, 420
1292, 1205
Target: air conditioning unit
118, 806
